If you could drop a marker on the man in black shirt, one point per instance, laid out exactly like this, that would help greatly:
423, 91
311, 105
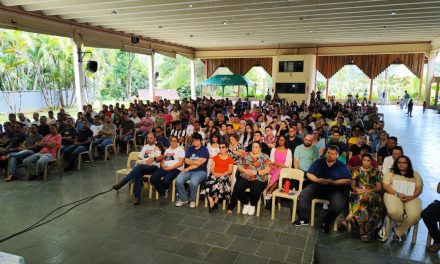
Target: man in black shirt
293, 141
68, 134
126, 132
258, 137
81, 144
43, 128
386, 150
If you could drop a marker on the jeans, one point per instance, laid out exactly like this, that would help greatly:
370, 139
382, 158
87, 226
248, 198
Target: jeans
101, 143
160, 184
136, 175
16, 157
431, 215
123, 143
195, 178
256, 188
338, 200
71, 153
39, 159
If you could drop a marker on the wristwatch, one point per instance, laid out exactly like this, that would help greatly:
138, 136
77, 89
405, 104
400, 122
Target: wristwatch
397, 194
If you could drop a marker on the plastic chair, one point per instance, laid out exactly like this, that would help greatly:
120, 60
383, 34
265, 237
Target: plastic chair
107, 149
388, 226
88, 152
290, 174
131, 161
312, 215
56, 160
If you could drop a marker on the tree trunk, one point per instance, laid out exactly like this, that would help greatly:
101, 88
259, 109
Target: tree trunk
129, 73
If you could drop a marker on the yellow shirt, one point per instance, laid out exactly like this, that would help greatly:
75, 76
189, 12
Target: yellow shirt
235, 126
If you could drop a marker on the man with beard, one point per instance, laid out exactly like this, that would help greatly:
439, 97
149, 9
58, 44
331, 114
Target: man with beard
330, 180
305, 154
292, 140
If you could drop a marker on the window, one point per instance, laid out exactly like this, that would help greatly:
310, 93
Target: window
291, 66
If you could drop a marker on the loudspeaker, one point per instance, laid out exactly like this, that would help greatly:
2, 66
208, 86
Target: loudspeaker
134, 40
92, 66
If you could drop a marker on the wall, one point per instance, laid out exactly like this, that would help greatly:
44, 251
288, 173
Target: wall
307, 76
29, 100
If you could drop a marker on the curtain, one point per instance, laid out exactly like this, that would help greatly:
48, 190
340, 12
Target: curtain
371, 65
238, 65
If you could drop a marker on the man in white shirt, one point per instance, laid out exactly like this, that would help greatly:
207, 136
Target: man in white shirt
135, 118
170, 167
389, 161
148, 162
96, 126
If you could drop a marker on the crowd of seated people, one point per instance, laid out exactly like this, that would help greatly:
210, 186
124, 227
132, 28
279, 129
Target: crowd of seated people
346, 155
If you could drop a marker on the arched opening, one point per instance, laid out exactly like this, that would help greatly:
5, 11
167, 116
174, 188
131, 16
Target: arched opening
349, 80
262, 82
391, 84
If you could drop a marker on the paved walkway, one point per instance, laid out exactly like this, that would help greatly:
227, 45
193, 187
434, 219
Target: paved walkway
110, 230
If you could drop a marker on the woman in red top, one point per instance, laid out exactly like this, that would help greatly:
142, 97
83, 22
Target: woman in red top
218, 185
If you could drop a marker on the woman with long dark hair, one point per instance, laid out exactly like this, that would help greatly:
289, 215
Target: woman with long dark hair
281, 157
403, 185
366, 202
246, 138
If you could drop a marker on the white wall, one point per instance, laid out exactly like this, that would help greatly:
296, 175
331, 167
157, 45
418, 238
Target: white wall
307, 77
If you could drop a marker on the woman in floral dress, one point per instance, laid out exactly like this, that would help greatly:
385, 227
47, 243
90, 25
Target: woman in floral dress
218, 185
366, 202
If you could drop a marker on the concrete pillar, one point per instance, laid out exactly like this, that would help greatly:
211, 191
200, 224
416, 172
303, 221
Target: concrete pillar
78, 73
193, 79
151, 77
429, 76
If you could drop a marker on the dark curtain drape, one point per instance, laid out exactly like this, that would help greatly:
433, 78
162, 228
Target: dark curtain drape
371, 65
238, 65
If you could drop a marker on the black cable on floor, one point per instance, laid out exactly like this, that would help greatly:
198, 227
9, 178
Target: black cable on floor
42, 222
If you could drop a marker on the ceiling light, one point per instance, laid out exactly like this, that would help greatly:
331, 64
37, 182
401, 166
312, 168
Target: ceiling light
190, 6
393, 13
311, 31
160, 26
114, 12
225, 23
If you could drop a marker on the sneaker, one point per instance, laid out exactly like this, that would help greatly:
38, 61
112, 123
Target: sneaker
245, 209
181, 203
268, 196
166, 195
251, 210
192, 204
300, 222
325, 228
325, 207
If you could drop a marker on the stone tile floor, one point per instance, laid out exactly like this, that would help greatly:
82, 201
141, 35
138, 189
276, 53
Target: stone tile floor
110, 230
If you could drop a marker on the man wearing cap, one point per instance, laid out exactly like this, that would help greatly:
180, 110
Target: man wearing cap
196, 159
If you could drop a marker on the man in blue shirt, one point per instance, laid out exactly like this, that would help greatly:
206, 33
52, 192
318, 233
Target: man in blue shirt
196, 160
330, 180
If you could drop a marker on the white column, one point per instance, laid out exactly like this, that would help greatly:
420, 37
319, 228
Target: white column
151, 77
78, 74
429, 76
193, 79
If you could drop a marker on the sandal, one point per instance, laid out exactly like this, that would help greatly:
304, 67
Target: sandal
364, 238
9, 178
